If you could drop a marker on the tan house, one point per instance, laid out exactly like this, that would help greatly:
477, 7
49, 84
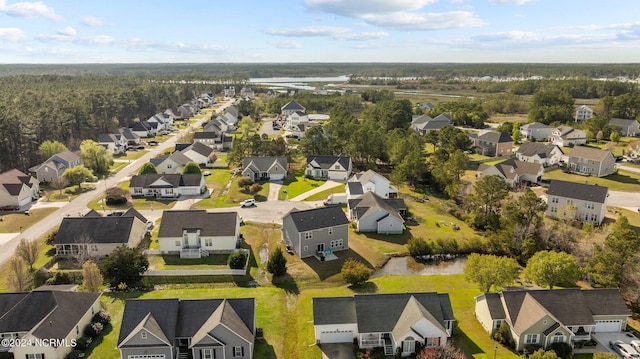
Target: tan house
591, 161
545, 154
585, 202
494, 144
513, 171
17, 189
544, 317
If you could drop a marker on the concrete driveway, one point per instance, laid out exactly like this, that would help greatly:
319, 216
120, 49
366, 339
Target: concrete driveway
337, 351
604, 338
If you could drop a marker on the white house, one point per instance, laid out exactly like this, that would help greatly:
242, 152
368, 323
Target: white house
513, 171
565, 136
583, 113
167, 185
537, 131
545, 154
376, 214
17, 189
329, 167
370, 181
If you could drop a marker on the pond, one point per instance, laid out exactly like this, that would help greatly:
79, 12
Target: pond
409, 266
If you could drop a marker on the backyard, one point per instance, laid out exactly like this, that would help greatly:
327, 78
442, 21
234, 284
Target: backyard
621, 181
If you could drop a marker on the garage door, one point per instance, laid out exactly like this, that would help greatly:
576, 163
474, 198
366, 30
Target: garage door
338, 336
608, 326
147, 356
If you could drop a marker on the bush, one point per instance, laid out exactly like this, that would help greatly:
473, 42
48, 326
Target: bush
93, 330
59, 278
102, 317
375, 353
75, 354
563, 350
355, 272
531, 348
418, 247
116, 196
237, 259
244, 183
83, 343
255, 188
503, 335
277, 263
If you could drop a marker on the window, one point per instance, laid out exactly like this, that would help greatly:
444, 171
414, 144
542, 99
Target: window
330, 230
531, 339
338, 243
208, 242
308, 235
207, 354
558, 338
554, 210
238, 352
409, 345
432, 342
143, 335
94, 247
594, 217
77, 330
35, 356
168, 165
178, 243
554, 200
336, 167
305, 248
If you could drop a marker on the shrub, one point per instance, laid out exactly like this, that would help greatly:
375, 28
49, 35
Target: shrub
277, 263
102, 317
59, 278
83, 343
116, 196
75, 354
503, 335
237, 259
255, 188
531, 348
563, 350
245, 182
418, 247
93, 330
355, 272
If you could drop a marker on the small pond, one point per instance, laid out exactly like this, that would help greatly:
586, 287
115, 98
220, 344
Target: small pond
409, 266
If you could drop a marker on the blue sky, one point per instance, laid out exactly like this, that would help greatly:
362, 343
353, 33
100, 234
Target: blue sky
142, 31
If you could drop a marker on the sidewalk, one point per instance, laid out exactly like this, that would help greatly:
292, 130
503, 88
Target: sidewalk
325, 186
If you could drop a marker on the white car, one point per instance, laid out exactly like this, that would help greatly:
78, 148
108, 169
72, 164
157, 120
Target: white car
248, 203
636, 345
626, 351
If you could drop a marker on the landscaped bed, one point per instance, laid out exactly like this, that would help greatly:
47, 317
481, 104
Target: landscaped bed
174, 262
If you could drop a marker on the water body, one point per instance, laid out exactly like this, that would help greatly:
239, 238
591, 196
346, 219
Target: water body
296, 82
409, 266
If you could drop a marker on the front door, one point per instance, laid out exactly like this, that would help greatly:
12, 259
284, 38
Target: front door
320, 247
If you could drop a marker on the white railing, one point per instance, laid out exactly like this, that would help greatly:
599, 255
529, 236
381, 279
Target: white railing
190, 253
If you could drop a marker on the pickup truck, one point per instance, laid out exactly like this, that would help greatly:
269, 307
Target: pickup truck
338, 198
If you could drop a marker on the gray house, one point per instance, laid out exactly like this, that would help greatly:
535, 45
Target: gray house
375, 214
53, 168
316, 232
265, 168
626, 127
591, 161
199, 329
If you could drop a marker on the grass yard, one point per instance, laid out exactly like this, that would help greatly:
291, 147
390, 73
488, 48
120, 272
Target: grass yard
14, 222
174, 262
321, 196
216, 183
236, 194
297, 185
45, 254
621, 181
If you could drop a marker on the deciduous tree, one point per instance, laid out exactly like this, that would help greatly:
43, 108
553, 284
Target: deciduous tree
95, 157
76, 175
607, 266
489, 271
548, 268
148, 168
19, 278
124, 265
91, 277
191, 168
50, 148
355, 272
28, 251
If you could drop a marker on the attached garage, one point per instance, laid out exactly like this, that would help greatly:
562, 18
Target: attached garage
608, 326
276, 177
336, 336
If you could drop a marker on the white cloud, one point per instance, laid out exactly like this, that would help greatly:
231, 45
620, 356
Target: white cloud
517, 2
68, 31
425, 21
29, 10
337, 33
356, 8
287, 44
92, 21
12, 34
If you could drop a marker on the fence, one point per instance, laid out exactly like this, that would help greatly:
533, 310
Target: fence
198, 272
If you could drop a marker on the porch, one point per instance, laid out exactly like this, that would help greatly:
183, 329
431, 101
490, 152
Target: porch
377, 340
325, 255
193, 252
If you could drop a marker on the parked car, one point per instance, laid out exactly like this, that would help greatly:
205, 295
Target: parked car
206, 173
248, 203
626, 351
636, 345
153, 143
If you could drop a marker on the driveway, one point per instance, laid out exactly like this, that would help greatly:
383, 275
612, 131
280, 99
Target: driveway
603, 339
337, 351
267, 128
324, 186
274, 189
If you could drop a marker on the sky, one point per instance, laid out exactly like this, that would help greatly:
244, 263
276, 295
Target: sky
266, 31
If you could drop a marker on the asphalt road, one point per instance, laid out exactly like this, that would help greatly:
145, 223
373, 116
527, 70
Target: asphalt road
79, 204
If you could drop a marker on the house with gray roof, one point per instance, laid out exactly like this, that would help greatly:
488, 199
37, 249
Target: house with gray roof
537, 131
173, 163
291, 107
113, 142
494, 144
164, 121
53, 168
546, 154
217, 141
57, 316
269, 168
544, 317
424, 123
329, 167
370, 181
591, 161
565, 136
513, 171
316, 232
570, 200
94, 236
17, 189
167, 185
196, 233
388, 321
625, 127
376, 214
198, 329
200, 153
132, 134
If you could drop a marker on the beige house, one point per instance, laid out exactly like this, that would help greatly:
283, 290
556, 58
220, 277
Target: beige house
513, 171
17, 189
585, 202
544, 317
591, 161
494, 144
545, 154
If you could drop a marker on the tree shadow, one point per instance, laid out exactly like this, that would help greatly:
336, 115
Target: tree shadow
468, 346
263, 349
364, 288
327, 269
287, 283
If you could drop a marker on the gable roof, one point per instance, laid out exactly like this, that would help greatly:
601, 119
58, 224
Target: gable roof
292, 106
371, 203
47, 314
210, 224
116, 229
494, 304
226, 315
589, 153
174, 180
414, 311
137, 313
495, 137
326, 162
336, 310
355, 188
199, 148
262, 164
535, 125
15, 176
581, 191
621, 122
132, 212
512, 167
317, 218
543, 150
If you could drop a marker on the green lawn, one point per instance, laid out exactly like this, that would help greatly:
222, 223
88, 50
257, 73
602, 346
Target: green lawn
320, 196
45, 254
139, 203
216, 183
297, 185
14, 222
174, 262
236, 195
620, 181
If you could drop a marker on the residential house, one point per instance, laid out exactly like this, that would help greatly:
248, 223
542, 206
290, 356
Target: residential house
565, 136
17, 189
173, 163
114, 143
495, 144
581, 201
187, 110
298, 130
265, 168
144, 128
219, 142
130, 136
198, 329
329, 167
513, 171
376, 214
49, 320
229, 120
53, 168
292, 107
201, 154
389, 321
216, 126
233, 110
229, 91
536, 131
316, 232
196, 233
544, 154
247, 92
426, 106
174, 114
370, 181
167, 185
625, 127
544, 317
97, 236
583, 113
424, 123
163, 120
591, 161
